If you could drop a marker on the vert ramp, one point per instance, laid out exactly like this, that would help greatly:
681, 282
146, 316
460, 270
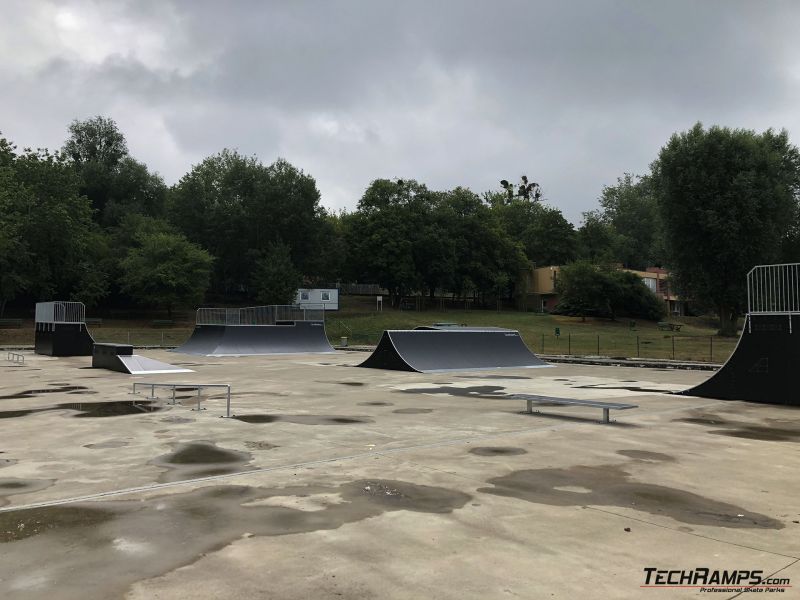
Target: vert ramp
764, 365
285, 337
452, 349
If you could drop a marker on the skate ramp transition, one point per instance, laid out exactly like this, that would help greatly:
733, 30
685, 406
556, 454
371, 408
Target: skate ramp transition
259, 330
765, 364
60, 329
120, 357
447, 348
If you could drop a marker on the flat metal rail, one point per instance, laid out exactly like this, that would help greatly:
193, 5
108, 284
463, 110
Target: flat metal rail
16, 358
174, 386
530, 399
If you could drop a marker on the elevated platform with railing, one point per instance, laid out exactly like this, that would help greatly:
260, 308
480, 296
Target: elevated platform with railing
773, 290
273, 314
60, 329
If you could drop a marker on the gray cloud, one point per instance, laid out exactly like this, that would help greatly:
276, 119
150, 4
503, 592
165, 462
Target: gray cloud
450, 93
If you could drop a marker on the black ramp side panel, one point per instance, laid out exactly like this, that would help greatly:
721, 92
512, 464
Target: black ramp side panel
385, 356
292, 337
764, 367
430, 351
63, 339
203, 341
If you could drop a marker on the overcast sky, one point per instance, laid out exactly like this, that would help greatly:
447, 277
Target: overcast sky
571, 93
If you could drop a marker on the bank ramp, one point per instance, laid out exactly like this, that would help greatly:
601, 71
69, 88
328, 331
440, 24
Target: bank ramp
441, 349
255, 331
765, 364
120, 358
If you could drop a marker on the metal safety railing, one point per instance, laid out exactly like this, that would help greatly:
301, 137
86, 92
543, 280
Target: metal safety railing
185, 386
15, 358
259, 315
774, 289
60, 312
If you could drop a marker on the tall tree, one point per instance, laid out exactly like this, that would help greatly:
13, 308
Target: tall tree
727, 199
275, 279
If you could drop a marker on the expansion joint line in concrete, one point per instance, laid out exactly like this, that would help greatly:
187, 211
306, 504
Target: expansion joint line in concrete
770, 576
322, 461
705, 537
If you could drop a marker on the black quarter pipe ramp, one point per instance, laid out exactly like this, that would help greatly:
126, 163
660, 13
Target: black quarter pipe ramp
452, 349
764, 367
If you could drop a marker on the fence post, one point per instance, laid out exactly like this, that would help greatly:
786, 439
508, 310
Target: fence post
673, 347
162, 339
638, 354
569, 344
542, 350
711, 348
129, 338
598, 345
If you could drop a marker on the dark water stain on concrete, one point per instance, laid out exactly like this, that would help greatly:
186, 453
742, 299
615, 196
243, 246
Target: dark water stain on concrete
376, 403
610, 485
351, 383
646, 455
37, 392
473, 391
630, 388
118, 408
7, 462
13, 485
776, 430
107, 444
200, 459
497, 451
491, 377
175, 530
413, 411
177, 420
304, 419
260, 445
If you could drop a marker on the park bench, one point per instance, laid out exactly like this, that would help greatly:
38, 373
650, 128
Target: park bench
93, 321
530, 399
10, 323
664, 326
163, 323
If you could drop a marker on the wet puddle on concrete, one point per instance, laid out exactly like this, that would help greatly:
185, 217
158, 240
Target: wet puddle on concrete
135, 540
304, 419
412, 411
611, 485
646, 455
497, 451
491, 377
38, 392
200, 459
780, 430
376, 403
107, 444
118, 408
473, 391
260, 445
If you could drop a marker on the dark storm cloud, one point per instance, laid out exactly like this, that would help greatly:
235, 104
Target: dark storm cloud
451, 93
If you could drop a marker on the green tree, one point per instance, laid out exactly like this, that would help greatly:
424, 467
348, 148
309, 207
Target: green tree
166, 270
597, 240
727, 199
275, 279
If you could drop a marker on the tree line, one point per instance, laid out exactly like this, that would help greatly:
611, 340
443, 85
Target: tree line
90, 222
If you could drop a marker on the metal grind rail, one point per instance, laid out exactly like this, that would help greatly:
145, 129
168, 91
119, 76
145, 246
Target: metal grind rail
16, 358
191, 386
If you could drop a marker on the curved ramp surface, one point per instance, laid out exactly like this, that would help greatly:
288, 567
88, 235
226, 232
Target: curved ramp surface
462, 349
290, 337
764, 366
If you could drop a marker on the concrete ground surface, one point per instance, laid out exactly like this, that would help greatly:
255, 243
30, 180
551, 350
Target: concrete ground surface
339, 482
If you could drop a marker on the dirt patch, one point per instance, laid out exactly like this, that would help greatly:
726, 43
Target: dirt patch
497, 451
610, 485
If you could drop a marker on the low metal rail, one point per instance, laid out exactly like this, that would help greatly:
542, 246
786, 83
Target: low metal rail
174, 386
530, 399
16, 358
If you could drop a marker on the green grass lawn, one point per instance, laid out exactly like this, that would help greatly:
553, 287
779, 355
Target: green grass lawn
362, 325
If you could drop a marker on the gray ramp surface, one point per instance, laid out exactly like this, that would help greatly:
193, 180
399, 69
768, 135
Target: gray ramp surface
294, 337
431, 351
141, 365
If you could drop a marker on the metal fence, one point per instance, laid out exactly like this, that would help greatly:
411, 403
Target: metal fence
259, 315
60, 312
774, 289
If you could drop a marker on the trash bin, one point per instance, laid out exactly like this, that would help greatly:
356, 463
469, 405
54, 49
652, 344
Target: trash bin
344, 342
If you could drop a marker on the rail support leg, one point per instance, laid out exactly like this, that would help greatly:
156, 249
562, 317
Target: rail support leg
530, 405
605, 416
198, 401
173, 396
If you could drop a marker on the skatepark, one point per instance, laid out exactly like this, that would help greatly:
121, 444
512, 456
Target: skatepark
324, 479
